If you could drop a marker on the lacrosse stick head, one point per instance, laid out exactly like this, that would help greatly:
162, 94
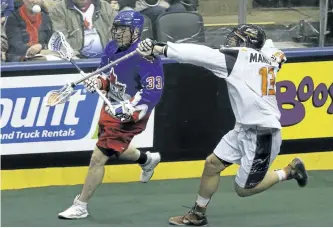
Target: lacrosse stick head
55, 97
59, 44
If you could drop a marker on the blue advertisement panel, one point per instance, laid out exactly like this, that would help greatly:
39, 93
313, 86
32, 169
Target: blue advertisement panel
29, 126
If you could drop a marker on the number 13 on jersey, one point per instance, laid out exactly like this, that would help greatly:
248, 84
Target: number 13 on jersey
268, 80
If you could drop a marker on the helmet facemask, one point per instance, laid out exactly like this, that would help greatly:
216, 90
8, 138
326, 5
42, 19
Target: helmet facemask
234, 39
246, 36
124, 35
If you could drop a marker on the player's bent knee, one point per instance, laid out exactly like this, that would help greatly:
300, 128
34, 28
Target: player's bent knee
213, 165
243, 192
98, 158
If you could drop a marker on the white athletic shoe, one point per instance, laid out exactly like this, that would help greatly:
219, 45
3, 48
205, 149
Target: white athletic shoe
148, 168
76, 211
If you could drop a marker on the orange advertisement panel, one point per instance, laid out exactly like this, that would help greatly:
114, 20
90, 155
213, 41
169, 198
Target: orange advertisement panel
305, 97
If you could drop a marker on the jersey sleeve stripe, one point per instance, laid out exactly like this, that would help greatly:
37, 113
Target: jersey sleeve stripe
230, 58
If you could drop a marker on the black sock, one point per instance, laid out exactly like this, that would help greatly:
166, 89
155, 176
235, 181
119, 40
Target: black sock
142, 159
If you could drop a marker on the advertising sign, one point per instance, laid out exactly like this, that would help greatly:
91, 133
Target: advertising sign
305, 97
28, 126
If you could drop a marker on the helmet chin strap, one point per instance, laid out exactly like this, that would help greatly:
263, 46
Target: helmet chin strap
134, 35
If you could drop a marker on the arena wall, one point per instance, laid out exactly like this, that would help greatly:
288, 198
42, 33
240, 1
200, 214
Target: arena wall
52, 146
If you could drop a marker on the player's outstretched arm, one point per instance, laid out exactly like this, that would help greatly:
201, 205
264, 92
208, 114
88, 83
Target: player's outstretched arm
200, 55
276, 55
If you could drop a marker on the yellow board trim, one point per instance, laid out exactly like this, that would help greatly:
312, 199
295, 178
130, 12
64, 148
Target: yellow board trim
28, 178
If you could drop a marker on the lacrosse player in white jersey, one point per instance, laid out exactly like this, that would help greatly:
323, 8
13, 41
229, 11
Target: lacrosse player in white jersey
250, 70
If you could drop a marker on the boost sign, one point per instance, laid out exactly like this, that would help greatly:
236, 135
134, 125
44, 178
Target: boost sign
305, 97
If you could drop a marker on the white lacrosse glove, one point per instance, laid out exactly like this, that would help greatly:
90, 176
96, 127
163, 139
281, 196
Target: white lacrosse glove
92, 83
122, 111
146, 47
276, 56
128, 107
149, 47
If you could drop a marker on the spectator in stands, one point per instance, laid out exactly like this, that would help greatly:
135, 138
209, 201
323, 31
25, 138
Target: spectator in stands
49, 4
28, 31
86, 25
125, 4
154, 8
190, 5
114, 5
4, 44
177, 5
150, 8
7, 7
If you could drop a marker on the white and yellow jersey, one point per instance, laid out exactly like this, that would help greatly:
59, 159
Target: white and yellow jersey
250, 76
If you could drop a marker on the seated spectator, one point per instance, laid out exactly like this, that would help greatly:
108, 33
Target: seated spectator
28, 31
4, 44
176, 6
154, 8
7, 7
151, 8
86, 25
124, 5
50, 4
190, 5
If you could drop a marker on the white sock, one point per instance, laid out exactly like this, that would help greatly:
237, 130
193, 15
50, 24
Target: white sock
83, 204
282, 174
202, 202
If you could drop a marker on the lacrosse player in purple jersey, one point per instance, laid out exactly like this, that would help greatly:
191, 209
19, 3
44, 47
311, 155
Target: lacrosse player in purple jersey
134, 87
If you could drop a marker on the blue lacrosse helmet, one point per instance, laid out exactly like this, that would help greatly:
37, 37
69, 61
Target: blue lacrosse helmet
127, 27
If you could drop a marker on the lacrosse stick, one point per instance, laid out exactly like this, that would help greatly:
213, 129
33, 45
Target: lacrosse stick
59, 44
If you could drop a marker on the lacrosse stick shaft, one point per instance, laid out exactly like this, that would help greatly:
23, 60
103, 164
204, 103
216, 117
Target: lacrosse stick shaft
76, 66
83, 74
107, 101
98, 71
59, 44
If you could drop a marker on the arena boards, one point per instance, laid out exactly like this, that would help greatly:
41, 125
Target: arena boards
52, 147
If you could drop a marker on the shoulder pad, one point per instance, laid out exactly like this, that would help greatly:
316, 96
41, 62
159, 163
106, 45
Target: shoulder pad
111, 47
230, 51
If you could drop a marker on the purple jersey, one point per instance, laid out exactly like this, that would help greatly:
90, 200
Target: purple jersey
136, 79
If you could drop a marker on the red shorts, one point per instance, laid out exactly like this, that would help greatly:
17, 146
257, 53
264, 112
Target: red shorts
115, 135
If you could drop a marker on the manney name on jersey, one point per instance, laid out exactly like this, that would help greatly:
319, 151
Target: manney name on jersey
258, 58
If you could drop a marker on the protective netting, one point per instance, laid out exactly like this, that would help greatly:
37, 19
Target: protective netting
290, 23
